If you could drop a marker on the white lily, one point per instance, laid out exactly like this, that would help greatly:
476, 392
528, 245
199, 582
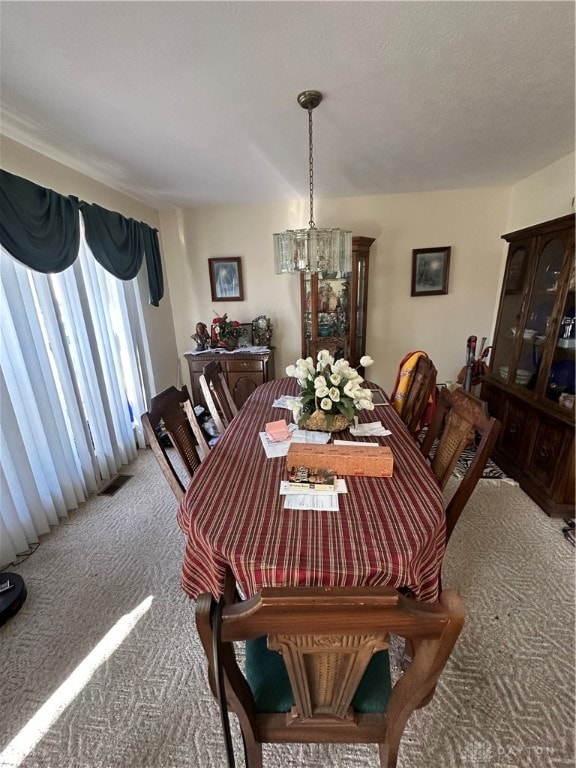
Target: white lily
325, 358
339, 365
349, 388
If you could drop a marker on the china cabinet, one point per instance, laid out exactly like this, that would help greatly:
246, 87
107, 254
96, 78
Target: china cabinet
243, 371
530, 385
334, 307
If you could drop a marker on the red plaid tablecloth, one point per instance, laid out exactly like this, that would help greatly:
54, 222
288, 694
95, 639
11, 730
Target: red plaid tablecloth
387, 530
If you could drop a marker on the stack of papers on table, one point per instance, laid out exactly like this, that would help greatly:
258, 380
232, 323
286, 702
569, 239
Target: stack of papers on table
277, 431
250, 348
274, 449
374, 428
310, 436
285, 401
321, 501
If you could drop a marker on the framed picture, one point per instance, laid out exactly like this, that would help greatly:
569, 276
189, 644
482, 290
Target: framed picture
430, 268
226, 279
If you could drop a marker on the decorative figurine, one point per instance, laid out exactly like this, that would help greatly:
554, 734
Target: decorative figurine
202, 338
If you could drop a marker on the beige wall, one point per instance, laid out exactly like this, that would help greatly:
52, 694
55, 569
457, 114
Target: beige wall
470, 221
42, 170
543, 196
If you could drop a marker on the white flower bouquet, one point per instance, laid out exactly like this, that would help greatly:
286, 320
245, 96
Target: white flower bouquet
330, 387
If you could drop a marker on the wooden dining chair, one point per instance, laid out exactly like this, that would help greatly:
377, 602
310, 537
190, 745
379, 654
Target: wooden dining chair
203, 444
167, 414
421, 389
337, 346
217, 395
458, 419
317, 667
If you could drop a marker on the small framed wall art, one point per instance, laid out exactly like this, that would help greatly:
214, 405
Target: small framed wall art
430, 270
226, 278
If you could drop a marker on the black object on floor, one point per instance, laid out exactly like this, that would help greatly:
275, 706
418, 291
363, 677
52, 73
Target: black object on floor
570, 531
12, 595
114, 485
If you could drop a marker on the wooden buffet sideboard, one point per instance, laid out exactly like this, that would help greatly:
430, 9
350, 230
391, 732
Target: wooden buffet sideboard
244, 371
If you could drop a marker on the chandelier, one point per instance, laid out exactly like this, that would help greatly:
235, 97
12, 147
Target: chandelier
312, 249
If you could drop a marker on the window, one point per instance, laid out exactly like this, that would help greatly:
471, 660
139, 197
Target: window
75, 376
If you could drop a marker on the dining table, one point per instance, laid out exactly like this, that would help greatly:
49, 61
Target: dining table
386, 531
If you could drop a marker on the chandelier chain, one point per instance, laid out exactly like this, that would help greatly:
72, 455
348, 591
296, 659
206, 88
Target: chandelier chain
311, 167
312, 250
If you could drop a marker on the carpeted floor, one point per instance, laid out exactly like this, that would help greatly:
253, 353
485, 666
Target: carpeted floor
506, 698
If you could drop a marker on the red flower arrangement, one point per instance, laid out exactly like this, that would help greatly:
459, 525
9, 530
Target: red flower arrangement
225, 332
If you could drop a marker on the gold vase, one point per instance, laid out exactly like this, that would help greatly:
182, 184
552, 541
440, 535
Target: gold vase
318, 422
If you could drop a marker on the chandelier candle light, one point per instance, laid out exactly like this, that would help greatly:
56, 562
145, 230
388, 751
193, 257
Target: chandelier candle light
331, 392
312, 249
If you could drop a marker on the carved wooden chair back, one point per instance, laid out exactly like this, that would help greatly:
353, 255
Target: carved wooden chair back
166, 412
418, 395
458, 419
199, 435
317, 665
337, 346
217, 395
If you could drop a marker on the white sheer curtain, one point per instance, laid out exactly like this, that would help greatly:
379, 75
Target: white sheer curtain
75, 376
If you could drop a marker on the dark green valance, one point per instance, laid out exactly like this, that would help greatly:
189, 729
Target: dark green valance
41, 228
38, 227
114, 240
153, 264
119, 245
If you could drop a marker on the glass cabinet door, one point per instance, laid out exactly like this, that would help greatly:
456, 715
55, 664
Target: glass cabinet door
326, 315
512, 312
334, 307
538, 326
359, 319
560, 375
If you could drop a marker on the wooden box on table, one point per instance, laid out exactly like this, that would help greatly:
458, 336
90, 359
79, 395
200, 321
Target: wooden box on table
359, 461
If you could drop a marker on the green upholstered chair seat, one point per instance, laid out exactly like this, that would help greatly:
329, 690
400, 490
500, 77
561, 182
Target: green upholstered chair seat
268, 679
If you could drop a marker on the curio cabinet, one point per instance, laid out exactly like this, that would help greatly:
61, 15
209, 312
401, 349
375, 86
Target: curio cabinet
334, 307
530, 386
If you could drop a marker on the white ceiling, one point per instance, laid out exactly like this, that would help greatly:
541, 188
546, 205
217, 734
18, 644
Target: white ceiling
182, 103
